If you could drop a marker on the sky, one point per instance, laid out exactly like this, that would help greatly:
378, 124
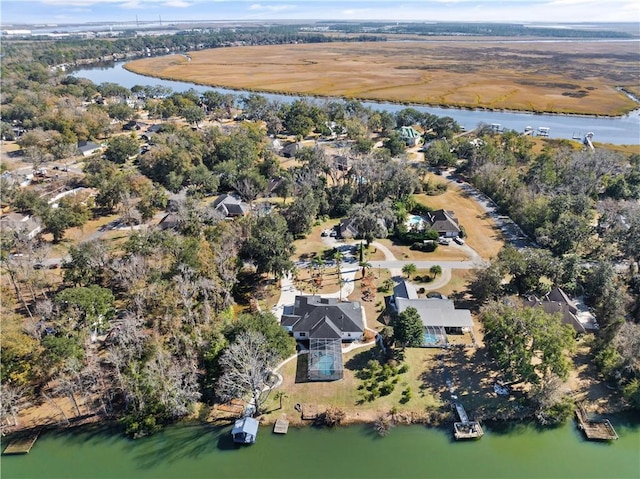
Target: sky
527, 11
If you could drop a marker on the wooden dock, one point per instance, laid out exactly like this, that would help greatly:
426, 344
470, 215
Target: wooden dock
21, 445
466, 429
595, 430
281, 426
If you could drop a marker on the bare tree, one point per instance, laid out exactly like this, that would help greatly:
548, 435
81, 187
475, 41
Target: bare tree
10, 398
247, 366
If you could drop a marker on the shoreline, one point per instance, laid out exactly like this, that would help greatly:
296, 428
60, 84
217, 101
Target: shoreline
436, 419
126, 66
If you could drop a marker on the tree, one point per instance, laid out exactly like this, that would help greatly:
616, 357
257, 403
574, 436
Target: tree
528, 344
121, 111
408, 329
395, 144
270, 245
192, 115
409, 269
246, 367
435, 270
276, 337
121, 148
93, 306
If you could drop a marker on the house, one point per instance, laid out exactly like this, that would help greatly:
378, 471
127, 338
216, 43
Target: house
342, 163
444, 222
557, 301
88, 148
230, 206
410, 135
245, 430
325, 323
20, 224
314, 317
438, 314
274, 183
347, 229
170, 221
290, 150
151, 130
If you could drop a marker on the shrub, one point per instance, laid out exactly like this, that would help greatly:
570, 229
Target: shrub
333, 416
404, 368
427, 247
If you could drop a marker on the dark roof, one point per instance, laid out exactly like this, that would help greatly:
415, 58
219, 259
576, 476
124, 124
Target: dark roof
347, 225
405, 290
324, 318
170, 221
443, 221
290, 150
554, 307
230, 205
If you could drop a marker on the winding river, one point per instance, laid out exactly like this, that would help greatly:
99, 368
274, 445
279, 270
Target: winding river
623, 130
197, 451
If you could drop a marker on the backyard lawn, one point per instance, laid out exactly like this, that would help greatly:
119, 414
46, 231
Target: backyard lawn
345, 395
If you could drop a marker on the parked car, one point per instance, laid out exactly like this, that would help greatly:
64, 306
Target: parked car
444, 241
458, 240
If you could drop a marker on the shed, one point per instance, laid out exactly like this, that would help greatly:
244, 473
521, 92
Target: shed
245, 430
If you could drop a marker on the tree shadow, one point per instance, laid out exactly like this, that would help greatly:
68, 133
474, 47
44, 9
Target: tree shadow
359, 361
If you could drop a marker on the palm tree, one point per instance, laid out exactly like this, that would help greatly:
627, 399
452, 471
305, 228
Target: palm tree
280, 395
409, 269
435, 270
365, 265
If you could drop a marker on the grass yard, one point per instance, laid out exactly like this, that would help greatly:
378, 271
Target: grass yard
345, 395
483, 234
539, 77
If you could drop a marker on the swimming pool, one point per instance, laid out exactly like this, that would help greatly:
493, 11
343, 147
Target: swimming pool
325, 365
430, 339
415, 221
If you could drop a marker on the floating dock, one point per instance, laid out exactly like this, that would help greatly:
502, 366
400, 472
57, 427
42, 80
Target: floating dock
595, 430
21, 445
281, 426
465, 429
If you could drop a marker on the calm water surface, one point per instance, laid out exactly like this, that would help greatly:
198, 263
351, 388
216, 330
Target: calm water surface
349, 452
624, 130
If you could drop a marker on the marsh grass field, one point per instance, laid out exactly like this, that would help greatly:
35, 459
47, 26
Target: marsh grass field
545, 77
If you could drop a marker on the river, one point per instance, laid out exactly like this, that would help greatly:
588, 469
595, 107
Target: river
623, 130
198, 451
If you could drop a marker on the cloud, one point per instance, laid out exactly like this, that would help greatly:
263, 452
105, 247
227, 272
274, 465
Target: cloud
270, 8
177, 4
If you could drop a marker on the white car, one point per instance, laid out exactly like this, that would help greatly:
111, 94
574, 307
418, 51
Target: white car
444, 241
458, 240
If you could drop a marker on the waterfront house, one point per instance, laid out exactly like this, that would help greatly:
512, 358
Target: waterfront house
439, 315
409, 135
444, 222
314, 317
230, 206
558, 302
325, 323
245, 430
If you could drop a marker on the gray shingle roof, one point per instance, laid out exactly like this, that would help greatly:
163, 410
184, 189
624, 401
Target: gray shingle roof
324, 318
443, 221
